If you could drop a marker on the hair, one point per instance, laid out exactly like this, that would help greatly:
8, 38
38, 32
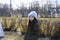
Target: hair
31, 23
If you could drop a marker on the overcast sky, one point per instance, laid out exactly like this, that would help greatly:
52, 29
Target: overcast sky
16, 3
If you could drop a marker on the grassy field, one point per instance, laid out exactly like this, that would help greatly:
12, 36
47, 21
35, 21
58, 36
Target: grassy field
48, 26
27, 18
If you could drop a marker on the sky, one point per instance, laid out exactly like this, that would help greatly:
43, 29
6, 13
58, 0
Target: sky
17, 3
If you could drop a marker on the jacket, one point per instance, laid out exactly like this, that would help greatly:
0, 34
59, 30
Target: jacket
32, 32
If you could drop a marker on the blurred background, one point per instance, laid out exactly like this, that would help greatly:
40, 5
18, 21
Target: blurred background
20, 8
14, 18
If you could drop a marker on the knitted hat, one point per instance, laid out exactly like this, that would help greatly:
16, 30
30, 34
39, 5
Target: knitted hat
33, 13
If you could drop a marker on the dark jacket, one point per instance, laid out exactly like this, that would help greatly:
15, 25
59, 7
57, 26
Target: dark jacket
32, 31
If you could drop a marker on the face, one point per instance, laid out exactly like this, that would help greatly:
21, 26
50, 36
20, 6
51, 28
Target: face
31, 18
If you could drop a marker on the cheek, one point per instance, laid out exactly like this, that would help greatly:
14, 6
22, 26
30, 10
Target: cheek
31, 18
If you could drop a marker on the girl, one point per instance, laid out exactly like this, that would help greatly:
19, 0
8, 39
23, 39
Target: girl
33, 27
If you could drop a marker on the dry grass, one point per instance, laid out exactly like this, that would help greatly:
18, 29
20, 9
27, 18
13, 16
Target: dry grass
12, 36
48, 26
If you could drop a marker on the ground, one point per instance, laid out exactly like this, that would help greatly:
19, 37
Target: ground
15, 36
12, 36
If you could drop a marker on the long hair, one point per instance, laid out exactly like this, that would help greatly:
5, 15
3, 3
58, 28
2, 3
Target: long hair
31, 23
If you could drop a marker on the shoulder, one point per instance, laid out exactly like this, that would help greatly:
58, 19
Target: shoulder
36, 24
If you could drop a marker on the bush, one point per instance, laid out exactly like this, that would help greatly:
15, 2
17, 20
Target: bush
47, 27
